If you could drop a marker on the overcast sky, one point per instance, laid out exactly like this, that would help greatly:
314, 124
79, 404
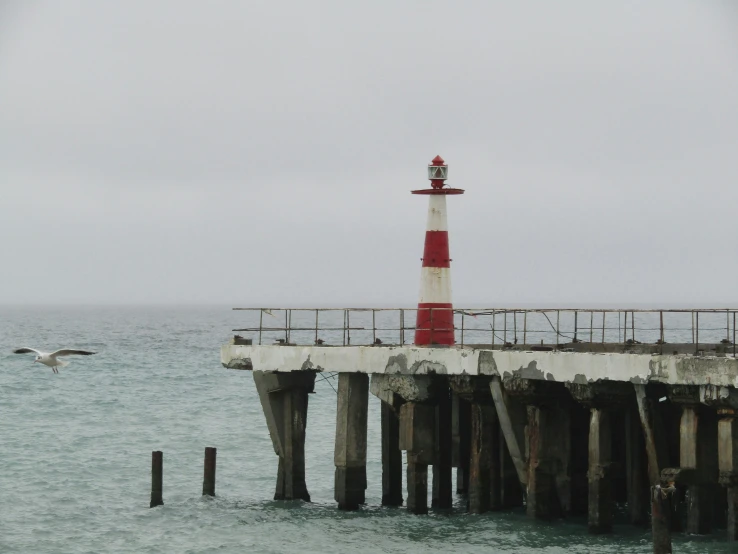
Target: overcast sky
262, 152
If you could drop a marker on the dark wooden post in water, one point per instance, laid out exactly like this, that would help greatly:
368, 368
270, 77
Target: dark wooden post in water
157, 465
442, 465
417, 437
350, 450
284, 400
484, 468
208, 480
391, 457
660, 519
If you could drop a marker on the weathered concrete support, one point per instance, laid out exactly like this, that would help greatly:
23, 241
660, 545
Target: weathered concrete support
511, 490
728, 463
284, 400
417, 437
602, 398
461, 440
600, 504
442, 466
725, 400
484, 475
657, 454
391, 457
548, 441
350, 450
697, 450
636, 470
512, 416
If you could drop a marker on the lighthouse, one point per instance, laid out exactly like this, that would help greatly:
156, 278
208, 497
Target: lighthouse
435, 319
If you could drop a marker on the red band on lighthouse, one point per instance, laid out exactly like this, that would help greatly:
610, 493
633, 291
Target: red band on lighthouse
435, 320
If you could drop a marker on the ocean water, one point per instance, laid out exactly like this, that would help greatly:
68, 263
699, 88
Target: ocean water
75, 454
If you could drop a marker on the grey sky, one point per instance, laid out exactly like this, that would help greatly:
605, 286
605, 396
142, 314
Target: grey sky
262, 152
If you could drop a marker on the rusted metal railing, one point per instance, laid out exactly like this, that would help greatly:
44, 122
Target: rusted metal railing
548, 326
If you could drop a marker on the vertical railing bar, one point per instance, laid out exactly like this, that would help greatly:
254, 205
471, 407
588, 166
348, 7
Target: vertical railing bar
343, 340
697, 333
625, 326
558, 334
402, 327
661, 326
576, 324
591, 326
286, 327
494, 314
727, 325
316, 326
462, 328
734, 334
261, 319
618, 326
525, 327
430, 335
504, 333
515, 326
348, 328
603, 326
692, 314
632, 326
374, 327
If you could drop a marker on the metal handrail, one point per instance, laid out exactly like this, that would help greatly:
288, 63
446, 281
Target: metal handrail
560, 329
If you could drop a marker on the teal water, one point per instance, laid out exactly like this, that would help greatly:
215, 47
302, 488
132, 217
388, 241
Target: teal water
75, 454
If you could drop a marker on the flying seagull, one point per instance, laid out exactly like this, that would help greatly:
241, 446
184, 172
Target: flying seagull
50, 358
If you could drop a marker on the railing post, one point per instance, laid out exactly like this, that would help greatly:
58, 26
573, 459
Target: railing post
697, 333
494, 314
261, 318
734, 334
286, 326
402, 327
515, 325
603, 326
576, 324
591, 326
374, 327
661, 326
462, 328
316, 326
632, 326
525, 327
504, 332
348, 327
558, 316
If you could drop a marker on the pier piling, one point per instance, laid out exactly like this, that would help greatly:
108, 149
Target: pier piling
600, 505
660, 525
636, 471
391, 457
442, 466
483, 418
728, 464
208, 480
157, 465
350, 449
417, 438
284, 400
461, 436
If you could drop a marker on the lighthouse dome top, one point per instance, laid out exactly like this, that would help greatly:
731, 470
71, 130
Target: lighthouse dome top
438, 173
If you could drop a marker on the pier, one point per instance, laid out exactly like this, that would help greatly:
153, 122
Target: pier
563, 411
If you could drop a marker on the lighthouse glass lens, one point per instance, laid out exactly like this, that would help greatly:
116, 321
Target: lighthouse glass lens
437, 172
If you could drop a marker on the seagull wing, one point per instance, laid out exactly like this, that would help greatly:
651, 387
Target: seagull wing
26, 351
69, 352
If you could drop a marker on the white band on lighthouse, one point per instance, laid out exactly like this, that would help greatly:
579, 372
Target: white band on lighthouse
435, 285
437, 213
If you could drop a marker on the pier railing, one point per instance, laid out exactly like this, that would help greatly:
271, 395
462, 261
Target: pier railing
497, 327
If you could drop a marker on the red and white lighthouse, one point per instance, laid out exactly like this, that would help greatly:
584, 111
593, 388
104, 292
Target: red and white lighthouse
435, 321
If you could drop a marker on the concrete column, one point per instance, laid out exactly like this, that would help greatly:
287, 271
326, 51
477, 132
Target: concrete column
635, 467
417, 437
442, 466
350, 450
284, 399
599, 513
481, 466
391, 457
697, 451
511, 491
461, 436
728, 465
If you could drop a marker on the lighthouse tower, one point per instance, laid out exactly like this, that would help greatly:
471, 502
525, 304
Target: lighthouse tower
435, 321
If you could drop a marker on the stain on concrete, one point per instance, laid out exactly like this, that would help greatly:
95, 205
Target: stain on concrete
531, 371
307, 364
240, 363
580, 379
487, 364
397, 364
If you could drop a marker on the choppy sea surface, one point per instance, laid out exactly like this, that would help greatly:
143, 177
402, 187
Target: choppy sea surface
75, 454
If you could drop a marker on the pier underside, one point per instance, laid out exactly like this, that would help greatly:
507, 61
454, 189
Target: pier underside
561, 432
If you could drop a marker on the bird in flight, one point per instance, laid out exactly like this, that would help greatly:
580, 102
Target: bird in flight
50, 358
